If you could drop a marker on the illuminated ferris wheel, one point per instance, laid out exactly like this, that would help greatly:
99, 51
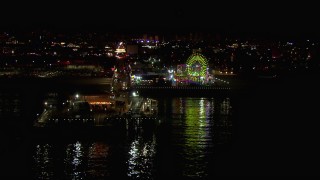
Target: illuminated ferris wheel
197, 65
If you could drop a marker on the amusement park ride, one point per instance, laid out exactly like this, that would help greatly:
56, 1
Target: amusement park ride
195, 71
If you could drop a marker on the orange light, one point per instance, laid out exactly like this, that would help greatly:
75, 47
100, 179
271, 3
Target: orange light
98, 103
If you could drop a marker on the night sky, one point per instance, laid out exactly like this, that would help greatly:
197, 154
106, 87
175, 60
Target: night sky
220, 16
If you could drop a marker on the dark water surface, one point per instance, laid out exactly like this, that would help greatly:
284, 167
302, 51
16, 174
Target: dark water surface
266, 131
183, 145
183, 142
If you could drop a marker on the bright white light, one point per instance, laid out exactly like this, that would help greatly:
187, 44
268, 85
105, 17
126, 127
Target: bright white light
120, 50
77, 95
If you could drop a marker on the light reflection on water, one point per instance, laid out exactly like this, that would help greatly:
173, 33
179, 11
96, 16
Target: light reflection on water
197, 126
98, 162
43, 163
77, 160
74, 165
141, 157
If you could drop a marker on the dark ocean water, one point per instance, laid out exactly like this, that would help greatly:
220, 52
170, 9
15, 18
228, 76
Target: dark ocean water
182, 144
269, 130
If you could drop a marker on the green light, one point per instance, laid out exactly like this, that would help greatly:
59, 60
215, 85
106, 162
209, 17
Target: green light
197, 58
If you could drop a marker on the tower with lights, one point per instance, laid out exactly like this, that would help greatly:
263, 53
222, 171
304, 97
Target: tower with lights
122, 70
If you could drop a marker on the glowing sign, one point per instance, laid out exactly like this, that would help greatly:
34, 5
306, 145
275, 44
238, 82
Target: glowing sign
121, 48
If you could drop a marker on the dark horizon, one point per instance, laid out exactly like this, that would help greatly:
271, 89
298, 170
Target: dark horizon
214, 34
266, 18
